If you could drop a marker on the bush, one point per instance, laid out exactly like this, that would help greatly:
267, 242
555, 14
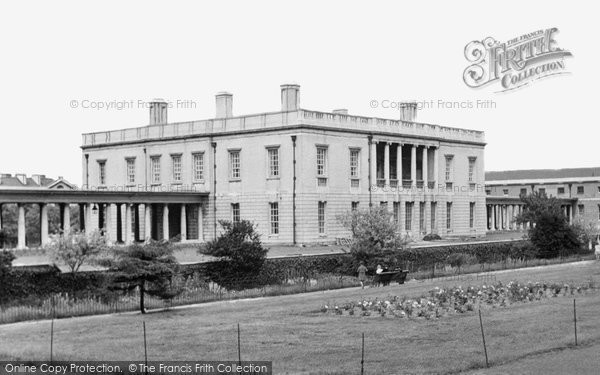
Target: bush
431, 237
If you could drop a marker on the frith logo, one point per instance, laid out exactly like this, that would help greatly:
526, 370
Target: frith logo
515, 63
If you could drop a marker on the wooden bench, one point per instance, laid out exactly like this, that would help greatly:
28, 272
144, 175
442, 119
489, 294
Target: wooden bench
385, 278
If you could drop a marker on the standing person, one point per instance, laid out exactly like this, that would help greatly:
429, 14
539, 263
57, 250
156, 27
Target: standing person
362, 274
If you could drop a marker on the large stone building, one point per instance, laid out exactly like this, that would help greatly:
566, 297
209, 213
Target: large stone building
292, 172
578, 189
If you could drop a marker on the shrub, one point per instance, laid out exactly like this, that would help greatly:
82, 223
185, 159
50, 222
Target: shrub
431, 237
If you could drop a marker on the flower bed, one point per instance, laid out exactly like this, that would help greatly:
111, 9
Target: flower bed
440, 302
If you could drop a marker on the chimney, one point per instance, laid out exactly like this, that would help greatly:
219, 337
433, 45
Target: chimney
22, 178
290, 97
224, 105
38, 178
3, 176
408, 111
158, 112
341, 111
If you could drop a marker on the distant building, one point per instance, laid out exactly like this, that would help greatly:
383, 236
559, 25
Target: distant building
292, 172
577, 188
36, 181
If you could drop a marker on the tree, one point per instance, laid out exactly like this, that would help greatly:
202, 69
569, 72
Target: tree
149, 267
550, 231
6, 259
587, 231
376, 238
76, 249
240, 252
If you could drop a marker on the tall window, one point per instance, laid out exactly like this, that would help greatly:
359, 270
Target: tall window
354, 158
421, 216
321, 217
234, 164
130, 166
580, 189
448, 215
581, 209
321, 161
176, 161
155, 168
524, 191
396, 212
472, 169
198, 166
354, 206
471, 214
448, 174
433, 215
408, 216
274, 217
273, 154
102, 172
235, 212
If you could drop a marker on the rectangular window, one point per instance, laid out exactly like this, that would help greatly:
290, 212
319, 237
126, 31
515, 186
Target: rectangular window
321, 217
235, 212
198, 166
354, 159
542, 191
472, 169
560, 190
505, 191
383, 204
155, 168
408, 216
273, 155
523, 191
396, 212
102, 172
234, 164
421, 216
433, 215
580, 190
355, 183
274, 217
448, 174
176, 163
471, 214
321, 161
488, 191
448, 215
354, 206
130, 166
581, 209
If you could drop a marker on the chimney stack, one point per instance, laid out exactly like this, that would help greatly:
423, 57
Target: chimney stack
341, 111
38, 178
224, 105
158, 112
408, 111
22, 178
290, 97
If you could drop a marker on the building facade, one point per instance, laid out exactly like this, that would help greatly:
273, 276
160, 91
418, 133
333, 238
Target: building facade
578, 189
293, 172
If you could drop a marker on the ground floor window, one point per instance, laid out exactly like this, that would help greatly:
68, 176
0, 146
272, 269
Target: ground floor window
396, 212
235, 212
433, 214
408, 214
448, 215
321, 217
471, 214
354, 206
421, 216
274, 214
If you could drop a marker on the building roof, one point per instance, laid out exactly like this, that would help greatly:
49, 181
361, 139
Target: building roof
542, 174
21, 181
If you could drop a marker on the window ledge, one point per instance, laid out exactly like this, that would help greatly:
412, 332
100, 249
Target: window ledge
274, 178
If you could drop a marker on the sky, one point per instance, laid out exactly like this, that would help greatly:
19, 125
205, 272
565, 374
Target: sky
61, 58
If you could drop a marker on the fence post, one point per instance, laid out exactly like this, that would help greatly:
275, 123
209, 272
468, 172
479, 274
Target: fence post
487, 364
362, 357
51, 339
145, 347
575, 320
239, 345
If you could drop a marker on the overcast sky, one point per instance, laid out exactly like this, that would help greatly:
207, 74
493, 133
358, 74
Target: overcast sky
343, 54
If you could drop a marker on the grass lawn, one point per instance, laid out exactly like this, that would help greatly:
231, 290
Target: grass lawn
290, 331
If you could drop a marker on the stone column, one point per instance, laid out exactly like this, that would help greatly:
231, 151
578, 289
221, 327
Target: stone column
413, 165
399, 166
147, 221
21, 227
373, 164
425, 171
200, 223
82, 217
435, 166
165, 222
386, 164
183, 223
66, 215
44, 224
128, 225
108, 219
493, 217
